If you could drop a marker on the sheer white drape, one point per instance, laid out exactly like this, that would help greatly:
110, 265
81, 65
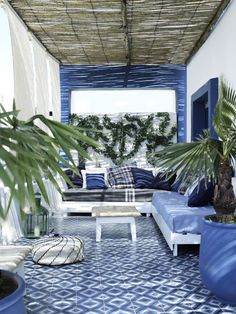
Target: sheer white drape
36, 73
37, 91
22, 65
41, 89
11, 228
54, 88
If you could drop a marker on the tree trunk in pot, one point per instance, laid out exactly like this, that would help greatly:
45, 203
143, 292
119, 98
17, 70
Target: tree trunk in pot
224, 198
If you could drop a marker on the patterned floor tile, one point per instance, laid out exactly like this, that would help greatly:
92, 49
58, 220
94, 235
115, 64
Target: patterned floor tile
119, 276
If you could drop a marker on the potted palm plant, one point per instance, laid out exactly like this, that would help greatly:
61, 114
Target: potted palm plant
213, 159
30, 151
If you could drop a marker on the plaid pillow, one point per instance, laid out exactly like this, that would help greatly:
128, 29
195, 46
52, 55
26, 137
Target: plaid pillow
121, 177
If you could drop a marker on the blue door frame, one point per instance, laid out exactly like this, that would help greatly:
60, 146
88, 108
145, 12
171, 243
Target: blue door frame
203, 103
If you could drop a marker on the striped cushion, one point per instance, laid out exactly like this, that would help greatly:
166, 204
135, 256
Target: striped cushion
58, 250
121, 177
143, 178
95, 181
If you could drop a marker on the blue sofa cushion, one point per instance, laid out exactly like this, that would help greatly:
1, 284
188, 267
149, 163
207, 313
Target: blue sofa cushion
179, 186
76, 179
201, 195
95, 181
162, 183
176, 185
143, 179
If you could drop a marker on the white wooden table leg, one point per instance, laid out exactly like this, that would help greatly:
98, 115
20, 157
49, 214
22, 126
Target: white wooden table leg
133, 230
98, 230
175, 250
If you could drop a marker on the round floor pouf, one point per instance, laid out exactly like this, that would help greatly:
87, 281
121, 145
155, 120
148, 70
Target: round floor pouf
60, 250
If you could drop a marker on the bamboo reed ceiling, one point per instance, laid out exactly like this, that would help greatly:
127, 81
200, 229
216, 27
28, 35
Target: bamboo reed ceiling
120, 31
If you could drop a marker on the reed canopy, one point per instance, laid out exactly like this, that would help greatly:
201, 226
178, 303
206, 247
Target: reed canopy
120, 31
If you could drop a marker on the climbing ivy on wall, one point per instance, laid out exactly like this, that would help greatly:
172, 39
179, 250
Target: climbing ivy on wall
121, 140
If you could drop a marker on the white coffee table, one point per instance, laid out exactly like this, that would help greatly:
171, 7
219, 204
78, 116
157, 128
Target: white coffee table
115, 215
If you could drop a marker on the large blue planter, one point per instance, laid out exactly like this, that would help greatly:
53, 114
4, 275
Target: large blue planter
218, 260
13, 304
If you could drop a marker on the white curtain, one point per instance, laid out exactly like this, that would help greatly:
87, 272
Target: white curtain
23, 66
11, 228
41, 79
54, 88
37, 90
36, 73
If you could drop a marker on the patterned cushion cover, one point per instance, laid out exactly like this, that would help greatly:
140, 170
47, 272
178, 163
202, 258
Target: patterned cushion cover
60, 250
121, 177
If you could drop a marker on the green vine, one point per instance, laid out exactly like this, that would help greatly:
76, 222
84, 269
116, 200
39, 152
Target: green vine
121, 140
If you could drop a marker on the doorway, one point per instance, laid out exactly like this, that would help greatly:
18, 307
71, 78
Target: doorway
203, 103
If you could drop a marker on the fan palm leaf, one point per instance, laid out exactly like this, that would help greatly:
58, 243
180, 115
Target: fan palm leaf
29, 154
199, 158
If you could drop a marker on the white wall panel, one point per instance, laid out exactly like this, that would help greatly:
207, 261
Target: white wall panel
217, 57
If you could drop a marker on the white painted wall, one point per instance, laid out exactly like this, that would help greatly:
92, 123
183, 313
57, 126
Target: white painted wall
215, 58
122, 100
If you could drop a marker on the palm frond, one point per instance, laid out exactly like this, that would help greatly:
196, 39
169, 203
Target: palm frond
199, 158
28, 154
225, 112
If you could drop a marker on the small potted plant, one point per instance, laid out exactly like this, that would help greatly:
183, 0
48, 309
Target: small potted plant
212, 159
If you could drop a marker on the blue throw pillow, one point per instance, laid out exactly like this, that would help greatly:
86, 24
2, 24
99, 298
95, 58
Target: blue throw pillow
201, 195
143, 179
75, 178
95, 181
179, 186
162, 183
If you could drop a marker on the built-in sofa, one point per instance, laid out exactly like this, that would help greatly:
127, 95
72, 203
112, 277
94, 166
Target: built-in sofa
179, 223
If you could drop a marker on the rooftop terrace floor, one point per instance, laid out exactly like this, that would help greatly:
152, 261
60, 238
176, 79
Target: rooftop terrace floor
120, 276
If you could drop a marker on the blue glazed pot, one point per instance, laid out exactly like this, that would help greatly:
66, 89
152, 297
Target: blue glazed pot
13, 304
218, 260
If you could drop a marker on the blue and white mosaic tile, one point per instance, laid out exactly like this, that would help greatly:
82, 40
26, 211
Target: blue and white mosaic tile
119, 276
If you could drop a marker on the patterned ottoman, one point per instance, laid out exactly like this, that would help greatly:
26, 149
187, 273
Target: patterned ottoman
59, 250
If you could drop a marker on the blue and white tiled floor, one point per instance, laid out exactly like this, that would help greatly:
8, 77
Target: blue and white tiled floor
120, 276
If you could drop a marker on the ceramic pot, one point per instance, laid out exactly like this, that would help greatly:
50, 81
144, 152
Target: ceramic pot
12, 288
218, 260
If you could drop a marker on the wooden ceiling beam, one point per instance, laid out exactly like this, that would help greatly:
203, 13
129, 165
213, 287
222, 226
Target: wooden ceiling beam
125, 27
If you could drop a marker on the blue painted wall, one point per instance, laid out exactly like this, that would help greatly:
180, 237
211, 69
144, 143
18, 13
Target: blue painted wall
134, 76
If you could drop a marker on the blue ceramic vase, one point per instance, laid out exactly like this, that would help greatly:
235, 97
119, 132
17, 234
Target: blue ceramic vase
13, 303
218, 260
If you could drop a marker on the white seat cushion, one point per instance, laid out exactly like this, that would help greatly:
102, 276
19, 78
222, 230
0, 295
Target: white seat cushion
11, 256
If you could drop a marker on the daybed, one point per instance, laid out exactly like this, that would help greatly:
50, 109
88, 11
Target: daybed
121, 186
140, 198
179, 223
